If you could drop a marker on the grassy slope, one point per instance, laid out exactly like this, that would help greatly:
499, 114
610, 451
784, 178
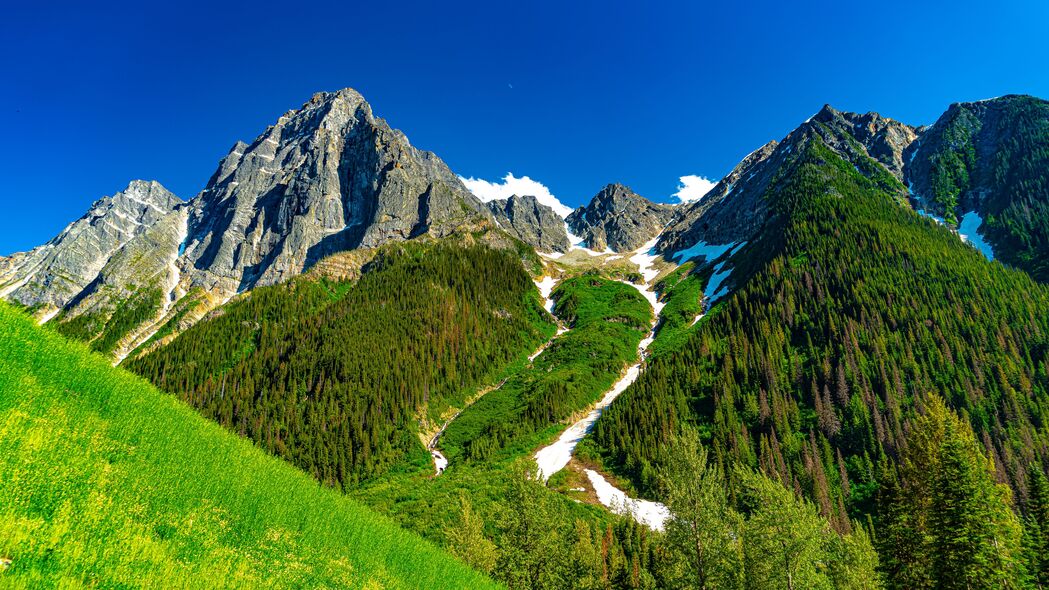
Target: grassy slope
108, 482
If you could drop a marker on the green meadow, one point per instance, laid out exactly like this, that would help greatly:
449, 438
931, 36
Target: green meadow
108, 482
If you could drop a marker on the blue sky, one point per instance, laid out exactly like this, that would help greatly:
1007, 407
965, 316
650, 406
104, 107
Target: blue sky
572, 95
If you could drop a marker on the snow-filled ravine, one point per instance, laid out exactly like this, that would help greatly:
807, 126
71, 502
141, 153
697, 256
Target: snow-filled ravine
555, 457
971, 222
651, 514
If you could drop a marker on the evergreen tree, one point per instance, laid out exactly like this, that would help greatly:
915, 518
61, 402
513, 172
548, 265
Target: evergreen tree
531, 552
783, 537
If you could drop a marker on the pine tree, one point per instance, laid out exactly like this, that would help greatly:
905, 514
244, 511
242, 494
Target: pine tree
783, 537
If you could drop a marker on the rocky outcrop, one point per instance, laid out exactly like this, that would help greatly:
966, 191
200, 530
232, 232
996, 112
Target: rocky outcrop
528, 220
730, 212
619, 219
736, 209
52, 275
881, 138
328, 177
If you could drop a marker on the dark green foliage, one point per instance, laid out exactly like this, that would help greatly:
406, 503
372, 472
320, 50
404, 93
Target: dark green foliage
953, 165
993, 157
608, 319
682, 294
335, 377
1017, 216
945, 523
810, 370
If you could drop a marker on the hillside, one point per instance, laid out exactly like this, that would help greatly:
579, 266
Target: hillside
851, 309
107, 482
340, 377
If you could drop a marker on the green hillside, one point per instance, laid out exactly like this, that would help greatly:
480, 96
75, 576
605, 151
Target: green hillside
336, 377
856, 311
109, 483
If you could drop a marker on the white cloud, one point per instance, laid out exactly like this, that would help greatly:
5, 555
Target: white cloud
512, 185
692, 188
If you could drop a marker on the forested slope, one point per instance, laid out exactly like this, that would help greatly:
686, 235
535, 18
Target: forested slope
335, 377
856, 309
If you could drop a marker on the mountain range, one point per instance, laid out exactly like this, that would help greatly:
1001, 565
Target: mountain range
342, 299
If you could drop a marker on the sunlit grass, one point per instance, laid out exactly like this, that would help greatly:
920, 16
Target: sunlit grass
104, 481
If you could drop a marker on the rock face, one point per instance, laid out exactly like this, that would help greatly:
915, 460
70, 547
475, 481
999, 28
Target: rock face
732, 211
619, 219
50, 276
531, 222
330, 176
737, 209
881, 138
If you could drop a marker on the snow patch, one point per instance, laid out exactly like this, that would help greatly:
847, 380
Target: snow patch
968, 231
555, 457
715, 288
546, 287
651, 514
440, 463
701, 248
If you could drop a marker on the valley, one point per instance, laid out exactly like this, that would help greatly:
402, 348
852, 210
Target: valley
794, 368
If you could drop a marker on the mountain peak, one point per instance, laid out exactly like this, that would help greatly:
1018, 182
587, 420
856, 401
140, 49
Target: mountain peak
327, 177
619, 219
826, 113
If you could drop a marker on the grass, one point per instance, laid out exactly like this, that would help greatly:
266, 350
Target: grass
608, 319
107, 482
682, 292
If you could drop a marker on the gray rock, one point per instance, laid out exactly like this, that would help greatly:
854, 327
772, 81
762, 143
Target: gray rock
736, 209
528, 220
328, 177
617, 218
52, 275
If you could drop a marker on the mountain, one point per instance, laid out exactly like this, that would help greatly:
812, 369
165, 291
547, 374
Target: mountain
984, 168
850, 315
736, 209
532, 222
52, 275
96, 459
326, 178
799, 337
618, 219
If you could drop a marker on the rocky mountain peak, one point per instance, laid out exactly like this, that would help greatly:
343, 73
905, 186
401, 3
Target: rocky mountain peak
532, 222
619, 219
329, 176
51, 275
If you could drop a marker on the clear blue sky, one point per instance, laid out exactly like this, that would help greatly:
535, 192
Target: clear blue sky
574, 95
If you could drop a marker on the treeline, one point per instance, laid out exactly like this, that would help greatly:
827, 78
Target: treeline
762, 537
811, 372
335, 376
607, 320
